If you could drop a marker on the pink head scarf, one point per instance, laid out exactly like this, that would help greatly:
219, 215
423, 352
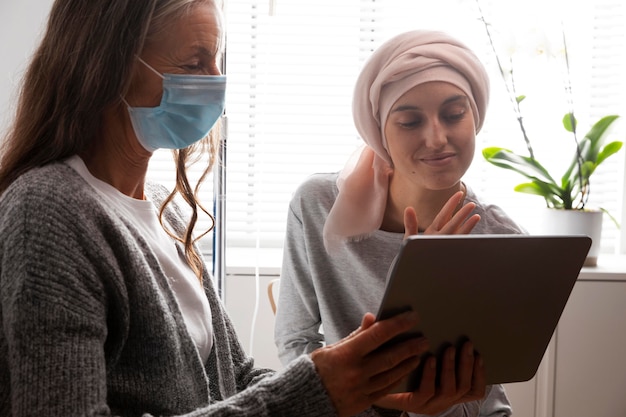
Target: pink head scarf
398, 65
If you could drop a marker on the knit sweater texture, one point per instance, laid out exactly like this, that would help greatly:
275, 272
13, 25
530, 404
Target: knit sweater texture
91, 326
323, 297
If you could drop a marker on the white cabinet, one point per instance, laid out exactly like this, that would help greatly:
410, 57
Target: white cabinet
583, 373
590, 378
522, 397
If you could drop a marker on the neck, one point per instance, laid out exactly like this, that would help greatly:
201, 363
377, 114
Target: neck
117, 158
427, 204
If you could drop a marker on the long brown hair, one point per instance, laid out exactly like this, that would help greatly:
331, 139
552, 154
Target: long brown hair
83, 66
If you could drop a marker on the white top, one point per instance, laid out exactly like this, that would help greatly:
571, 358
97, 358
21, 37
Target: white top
189, 293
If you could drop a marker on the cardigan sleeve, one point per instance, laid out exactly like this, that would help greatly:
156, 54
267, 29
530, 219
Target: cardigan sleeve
295, 391
53, 316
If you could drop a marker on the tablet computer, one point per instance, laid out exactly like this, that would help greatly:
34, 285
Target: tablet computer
505, 293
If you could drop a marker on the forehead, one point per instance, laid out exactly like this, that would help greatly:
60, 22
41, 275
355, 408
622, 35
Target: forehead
200, 27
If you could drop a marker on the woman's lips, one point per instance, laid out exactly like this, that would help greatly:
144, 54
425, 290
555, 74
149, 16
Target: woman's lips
439, 159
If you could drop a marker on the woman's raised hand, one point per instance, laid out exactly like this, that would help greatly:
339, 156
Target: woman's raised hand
357, 371
447, 222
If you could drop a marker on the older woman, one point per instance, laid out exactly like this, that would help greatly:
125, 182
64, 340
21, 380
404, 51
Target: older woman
418, 104
106, 305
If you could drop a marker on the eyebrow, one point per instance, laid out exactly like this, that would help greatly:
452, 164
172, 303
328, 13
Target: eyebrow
201, 50
408, 107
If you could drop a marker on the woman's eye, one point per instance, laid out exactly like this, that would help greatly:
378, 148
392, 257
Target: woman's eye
201, 68
455, 116
196, 66
410, 123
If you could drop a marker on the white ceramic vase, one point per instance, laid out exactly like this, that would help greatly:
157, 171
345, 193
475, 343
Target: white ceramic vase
576, 222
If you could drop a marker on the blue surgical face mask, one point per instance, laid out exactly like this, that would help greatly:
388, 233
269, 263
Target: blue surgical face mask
190, 106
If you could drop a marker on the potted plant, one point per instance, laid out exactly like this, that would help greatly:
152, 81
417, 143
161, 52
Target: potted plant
572, 190
564, 195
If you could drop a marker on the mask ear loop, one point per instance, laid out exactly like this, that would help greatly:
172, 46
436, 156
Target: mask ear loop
151, 69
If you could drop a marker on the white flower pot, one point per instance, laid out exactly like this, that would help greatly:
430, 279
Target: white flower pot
576, 222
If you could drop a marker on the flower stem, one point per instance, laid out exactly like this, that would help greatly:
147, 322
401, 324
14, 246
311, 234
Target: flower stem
509, 89
584, 187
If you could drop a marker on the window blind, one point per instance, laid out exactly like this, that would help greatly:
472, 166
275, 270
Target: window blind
291, 67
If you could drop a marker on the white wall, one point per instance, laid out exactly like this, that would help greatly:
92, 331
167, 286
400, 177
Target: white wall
21, 23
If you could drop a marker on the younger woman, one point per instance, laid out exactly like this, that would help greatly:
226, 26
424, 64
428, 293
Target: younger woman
418, 104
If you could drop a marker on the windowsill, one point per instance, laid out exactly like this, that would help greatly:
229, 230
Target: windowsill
609, 268
248, 261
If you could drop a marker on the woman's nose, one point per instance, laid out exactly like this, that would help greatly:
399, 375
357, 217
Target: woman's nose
434, 135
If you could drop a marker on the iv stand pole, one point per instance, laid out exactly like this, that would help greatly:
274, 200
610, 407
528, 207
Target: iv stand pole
219, 204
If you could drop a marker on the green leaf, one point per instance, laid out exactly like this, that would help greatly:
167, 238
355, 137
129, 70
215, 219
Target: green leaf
520, 98
596, 136
533, 188
524, 165
608, 150
544, 190
569, 122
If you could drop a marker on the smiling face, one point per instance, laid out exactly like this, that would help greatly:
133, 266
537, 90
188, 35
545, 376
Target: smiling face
189, 45
430, 134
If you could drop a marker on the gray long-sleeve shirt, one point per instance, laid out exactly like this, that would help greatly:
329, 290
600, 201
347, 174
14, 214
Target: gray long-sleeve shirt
333, 292
91, 327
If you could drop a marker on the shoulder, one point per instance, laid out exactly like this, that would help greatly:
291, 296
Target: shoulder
54, 187
54, 203
320, 184
316, 194
494, 220
321, 187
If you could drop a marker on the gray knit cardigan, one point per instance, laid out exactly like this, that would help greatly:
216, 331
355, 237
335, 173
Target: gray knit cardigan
91, 327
